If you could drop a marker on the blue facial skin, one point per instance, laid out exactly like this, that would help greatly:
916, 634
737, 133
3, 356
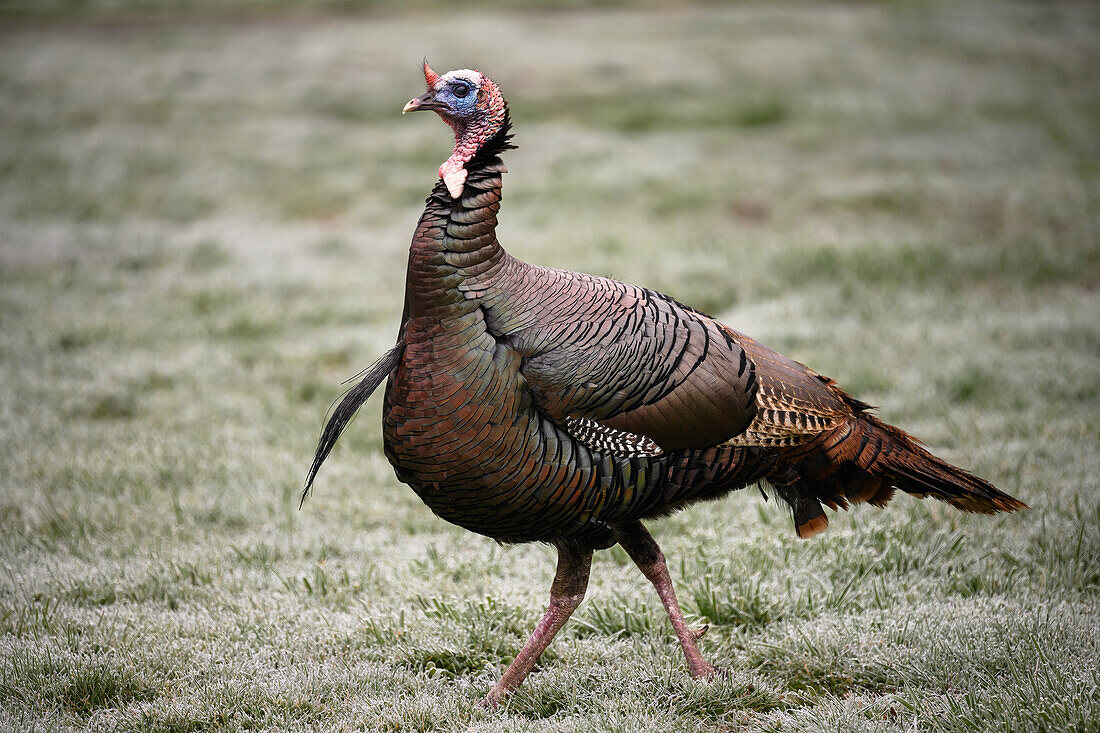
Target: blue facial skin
458, 97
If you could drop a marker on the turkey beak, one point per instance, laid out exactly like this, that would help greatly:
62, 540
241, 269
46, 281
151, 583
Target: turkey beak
424, 101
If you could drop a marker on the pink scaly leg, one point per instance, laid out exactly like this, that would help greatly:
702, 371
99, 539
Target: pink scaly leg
647, 555
566, 593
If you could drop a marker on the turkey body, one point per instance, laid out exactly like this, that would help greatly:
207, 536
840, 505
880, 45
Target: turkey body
536, 404
526, 403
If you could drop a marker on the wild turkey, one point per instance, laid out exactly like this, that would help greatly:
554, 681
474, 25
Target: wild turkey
530, 404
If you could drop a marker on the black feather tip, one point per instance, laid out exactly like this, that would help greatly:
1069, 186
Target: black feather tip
346, 410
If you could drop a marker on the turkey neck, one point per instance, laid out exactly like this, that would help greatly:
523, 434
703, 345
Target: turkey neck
455, 250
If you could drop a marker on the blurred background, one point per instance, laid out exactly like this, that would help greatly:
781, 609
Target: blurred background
205, 210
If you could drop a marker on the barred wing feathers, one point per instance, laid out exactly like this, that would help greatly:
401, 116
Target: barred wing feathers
635, 361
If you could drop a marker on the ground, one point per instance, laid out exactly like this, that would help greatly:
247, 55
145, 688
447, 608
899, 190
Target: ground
203, 225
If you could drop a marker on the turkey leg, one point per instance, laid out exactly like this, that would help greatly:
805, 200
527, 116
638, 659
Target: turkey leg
566, 593
647, 555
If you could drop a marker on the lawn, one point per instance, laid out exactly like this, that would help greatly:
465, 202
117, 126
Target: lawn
204, 219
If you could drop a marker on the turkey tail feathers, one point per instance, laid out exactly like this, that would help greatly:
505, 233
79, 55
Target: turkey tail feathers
345, 411
916, 471
865, 460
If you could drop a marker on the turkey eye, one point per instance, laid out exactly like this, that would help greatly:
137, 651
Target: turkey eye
460, 90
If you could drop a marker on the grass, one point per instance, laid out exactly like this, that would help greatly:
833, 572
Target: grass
203, 231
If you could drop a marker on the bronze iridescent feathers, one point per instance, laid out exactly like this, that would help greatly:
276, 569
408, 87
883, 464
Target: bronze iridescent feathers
532, 404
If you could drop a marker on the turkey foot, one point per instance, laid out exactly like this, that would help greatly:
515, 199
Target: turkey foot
492, 700
647, 555
710, 672
566, 593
